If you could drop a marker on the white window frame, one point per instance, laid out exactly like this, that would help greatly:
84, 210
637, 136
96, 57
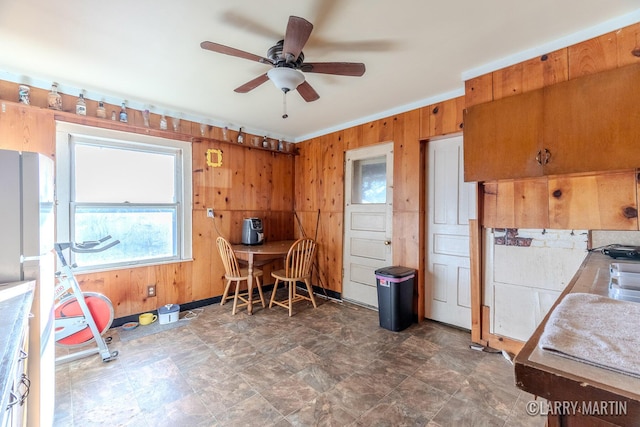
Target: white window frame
66, 133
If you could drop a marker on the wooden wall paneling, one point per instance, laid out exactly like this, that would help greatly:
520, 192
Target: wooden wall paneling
446, 117
306, 183
599, 201
218, 181
239, 195
408, 232
532, 74
9, 91
478, 90
522, 204
256, 173
378, 131
505, 204
351, 138
531, 203
282, 182
508, 81
199, 174
489, 214
628, 45
330, 232
174, 283
425, 125
408, 163
516, 204
278, 225
545, 70
326, 228
593, 55
332, 174
138, 281
25, 128
205, 253
114, 284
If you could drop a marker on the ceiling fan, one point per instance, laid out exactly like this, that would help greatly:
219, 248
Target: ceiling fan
287, 61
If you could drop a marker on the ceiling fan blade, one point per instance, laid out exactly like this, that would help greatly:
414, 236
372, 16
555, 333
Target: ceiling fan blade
215, 47
296, 36
252, 84
337, 68
307, 92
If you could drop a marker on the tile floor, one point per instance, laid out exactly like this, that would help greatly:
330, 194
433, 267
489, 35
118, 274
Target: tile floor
330, 366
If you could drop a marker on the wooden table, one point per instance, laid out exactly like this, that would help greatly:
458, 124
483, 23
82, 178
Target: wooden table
264, 252
558, 379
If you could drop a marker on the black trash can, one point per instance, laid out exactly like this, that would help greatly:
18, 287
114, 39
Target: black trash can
395, 297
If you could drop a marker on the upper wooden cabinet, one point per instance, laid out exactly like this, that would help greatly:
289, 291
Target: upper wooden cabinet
501, 138
588, 124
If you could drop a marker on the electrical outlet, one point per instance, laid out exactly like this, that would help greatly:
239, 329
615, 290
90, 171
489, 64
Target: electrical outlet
151, 291
210, 212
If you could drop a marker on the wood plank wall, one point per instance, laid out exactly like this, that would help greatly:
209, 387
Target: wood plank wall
250, 182
316, 176
602, 53
598, 54
525, 203
319, 195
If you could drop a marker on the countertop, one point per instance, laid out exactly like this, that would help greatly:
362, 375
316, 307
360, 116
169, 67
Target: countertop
15, 304
558, 379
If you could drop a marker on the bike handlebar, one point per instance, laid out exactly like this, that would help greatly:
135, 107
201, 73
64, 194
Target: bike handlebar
88, 246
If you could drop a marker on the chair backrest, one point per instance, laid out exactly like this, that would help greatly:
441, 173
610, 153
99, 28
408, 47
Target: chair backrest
300, 258
231, 266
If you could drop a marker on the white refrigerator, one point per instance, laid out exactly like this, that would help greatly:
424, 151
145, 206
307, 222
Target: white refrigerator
27, 236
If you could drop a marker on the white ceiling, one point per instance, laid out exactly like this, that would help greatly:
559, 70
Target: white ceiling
416, 52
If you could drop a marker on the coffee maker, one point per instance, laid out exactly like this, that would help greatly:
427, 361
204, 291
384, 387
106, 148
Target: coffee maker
252, 233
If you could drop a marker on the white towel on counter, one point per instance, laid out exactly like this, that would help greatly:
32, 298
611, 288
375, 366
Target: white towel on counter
597, 330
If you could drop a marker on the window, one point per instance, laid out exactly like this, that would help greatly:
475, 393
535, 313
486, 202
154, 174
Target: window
370, 180
135, 188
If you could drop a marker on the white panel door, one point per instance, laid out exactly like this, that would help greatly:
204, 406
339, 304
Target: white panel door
368, 214
451, 203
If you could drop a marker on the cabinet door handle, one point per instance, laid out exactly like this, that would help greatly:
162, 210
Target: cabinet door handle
547, 156
539, 157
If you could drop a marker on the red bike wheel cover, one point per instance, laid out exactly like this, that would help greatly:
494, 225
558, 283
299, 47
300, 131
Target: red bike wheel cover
99, 307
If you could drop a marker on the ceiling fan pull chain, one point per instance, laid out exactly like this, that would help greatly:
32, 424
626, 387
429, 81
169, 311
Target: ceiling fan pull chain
284, 105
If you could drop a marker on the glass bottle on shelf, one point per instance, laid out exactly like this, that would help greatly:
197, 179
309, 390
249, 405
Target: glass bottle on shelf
163, 122
54, 99
101, 112
124, 117
81, 106
265, 142
240, 137
145, 117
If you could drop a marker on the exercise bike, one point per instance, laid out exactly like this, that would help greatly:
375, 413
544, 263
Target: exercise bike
81, 317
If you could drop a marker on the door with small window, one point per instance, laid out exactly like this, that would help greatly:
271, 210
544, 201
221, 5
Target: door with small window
368, 214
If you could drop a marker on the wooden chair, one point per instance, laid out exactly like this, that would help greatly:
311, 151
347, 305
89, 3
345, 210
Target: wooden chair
235, 274
297, 268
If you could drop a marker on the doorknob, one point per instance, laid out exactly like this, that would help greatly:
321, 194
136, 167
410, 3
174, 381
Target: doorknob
387, 242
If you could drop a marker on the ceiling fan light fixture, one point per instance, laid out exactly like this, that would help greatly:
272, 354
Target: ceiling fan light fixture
285, 79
